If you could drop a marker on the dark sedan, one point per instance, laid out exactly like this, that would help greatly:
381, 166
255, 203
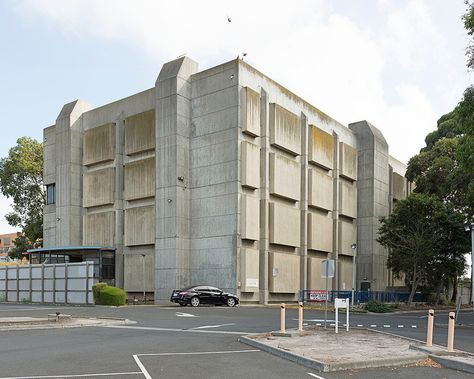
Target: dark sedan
203, 295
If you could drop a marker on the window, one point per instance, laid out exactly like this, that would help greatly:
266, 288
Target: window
51, 194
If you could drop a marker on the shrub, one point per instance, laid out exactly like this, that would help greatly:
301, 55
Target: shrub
377, 307
109, 295
96, 289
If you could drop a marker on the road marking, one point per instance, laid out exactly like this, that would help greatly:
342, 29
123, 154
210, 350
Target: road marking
413, 326
360, 326
173, 330
181, 314
400, 326
33, 309
373, 326
315, 376
75, 376
199, 353
211, 326
318, 324
386, 326
314, 320
142, 368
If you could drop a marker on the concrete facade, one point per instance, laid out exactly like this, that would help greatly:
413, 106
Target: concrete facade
221, 177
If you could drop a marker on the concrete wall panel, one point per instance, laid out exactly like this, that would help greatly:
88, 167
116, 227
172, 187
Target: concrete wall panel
315, 281
399, 186
284, 273
321, 147
285, 131
250, 218
99, 144
249, 270
320, 191
345, 273
99, 229
250, 111
49, 155
139, 275
285, 177
140, 226
347, 236
98, 187
139, 181
140, 132
320, 228
284, 225
250, 166
347, 161
348, 199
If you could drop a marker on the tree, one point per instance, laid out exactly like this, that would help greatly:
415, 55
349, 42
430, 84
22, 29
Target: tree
468, 19
445, 167
21, 180
419, 233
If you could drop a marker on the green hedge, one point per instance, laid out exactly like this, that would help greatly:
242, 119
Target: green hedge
377, 307
108, 295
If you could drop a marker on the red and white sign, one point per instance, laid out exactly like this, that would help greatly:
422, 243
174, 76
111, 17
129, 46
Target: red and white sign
317, 295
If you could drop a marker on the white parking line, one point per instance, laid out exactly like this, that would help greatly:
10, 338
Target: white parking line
142, 368
181, 314
211, 326
373, 326
75, 376
198, 353
315, 376
386, 326
173, 330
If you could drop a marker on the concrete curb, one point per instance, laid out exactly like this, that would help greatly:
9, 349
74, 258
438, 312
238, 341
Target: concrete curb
324, 367
452, 363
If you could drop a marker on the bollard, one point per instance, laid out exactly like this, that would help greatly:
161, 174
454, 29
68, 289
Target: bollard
282, 318
300, 316
429, 333
451, 332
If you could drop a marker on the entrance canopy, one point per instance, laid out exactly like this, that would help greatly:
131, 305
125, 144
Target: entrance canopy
102, 257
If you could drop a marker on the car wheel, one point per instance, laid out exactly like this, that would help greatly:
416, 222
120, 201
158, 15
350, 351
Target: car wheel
230, 302
195, 301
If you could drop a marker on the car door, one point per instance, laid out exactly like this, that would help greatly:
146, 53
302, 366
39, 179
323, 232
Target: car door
204, 295
216, 295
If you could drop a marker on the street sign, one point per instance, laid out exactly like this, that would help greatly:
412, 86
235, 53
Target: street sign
327, 268
341, 303
318, 295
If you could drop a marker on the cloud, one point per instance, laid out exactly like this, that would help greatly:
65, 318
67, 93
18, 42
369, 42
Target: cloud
321, 54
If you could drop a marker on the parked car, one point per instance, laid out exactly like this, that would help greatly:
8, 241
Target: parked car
196, 295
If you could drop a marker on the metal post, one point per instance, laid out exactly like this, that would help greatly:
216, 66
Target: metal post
347, 316
336, 307
326, 301
451, 332
472, 267
354, 252
300, 316
282, 318
144, 282
429, 333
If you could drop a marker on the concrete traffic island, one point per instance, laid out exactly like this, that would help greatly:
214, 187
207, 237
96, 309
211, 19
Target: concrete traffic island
54, 321
324, 350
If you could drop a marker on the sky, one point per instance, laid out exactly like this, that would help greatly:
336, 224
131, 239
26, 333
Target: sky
399, 64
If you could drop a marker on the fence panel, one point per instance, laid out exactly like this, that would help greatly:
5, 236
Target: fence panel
360, 296
64, 283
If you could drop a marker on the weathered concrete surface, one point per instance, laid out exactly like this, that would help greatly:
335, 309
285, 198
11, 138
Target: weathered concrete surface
26, 323
324, 350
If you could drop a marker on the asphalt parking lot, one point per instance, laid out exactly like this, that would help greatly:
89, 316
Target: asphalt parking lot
175, 342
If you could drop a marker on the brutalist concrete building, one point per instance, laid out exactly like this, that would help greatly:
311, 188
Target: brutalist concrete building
220, 177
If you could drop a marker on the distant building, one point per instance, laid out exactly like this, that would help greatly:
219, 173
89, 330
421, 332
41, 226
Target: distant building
221, 177
6, 243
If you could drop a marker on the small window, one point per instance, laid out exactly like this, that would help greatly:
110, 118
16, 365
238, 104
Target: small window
51, 194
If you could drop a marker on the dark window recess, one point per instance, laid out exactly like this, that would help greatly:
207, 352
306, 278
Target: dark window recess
51, 194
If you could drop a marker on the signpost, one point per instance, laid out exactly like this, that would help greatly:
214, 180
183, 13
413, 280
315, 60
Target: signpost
341, 303
327, 271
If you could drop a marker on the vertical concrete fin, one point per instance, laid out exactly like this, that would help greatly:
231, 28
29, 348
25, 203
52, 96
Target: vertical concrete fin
373, 189
172, 133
